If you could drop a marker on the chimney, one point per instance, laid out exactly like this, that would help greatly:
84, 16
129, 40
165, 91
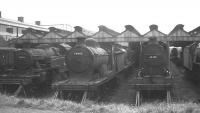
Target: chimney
80, 41
153, 27
0, 14
21, 19
37, 23
78, 28
179, 26
129, 27
101, 27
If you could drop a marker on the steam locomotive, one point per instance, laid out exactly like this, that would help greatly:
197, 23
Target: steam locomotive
154, 74
90, 66
191, 60
42, 64
92, 61
154, 59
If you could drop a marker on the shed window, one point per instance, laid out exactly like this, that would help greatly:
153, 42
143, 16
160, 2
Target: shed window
9, 30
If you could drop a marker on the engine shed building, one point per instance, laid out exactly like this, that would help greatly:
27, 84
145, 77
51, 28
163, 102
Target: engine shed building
105, 34
179, 37
10, 29
129, 34
78, 32
54, 36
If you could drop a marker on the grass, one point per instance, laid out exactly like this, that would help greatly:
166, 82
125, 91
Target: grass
57, 106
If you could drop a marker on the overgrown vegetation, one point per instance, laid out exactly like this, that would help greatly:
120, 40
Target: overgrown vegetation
56, 105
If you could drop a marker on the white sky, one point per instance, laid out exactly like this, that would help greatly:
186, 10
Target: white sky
111, 13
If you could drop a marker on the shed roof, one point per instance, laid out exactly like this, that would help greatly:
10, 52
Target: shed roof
195, 31
79, 32
28, 37
197, 35
105, 34
129, 34
179, 34
154, 32
31, 36
56, 33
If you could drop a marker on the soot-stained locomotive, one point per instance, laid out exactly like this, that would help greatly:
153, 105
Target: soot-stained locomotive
191, 61
90, 66
31, 67
154, 74
87, 61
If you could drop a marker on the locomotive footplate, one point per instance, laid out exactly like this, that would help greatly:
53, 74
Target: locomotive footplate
87, 85
152, 84
20, 81
14, 80
84, 86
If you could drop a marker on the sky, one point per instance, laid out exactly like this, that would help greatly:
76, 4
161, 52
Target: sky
114, 14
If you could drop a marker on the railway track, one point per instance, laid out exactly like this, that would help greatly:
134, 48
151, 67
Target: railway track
117, 91
183, 90
103, 93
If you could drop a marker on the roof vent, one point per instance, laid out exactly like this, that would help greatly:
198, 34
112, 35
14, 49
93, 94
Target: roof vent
129, 27
153, 27
21, 19
101, 27
179, 26
78, 28
37, 23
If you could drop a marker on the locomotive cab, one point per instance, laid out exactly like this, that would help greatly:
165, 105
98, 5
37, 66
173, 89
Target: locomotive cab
154, 59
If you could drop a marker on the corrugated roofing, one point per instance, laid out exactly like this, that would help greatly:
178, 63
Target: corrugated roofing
130, 34
52, 35
105, 34
76, 34
198, 35
30, 35
62, 33
21, 24
79, 32
56, 33
154, 32
195, 31
179, 34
